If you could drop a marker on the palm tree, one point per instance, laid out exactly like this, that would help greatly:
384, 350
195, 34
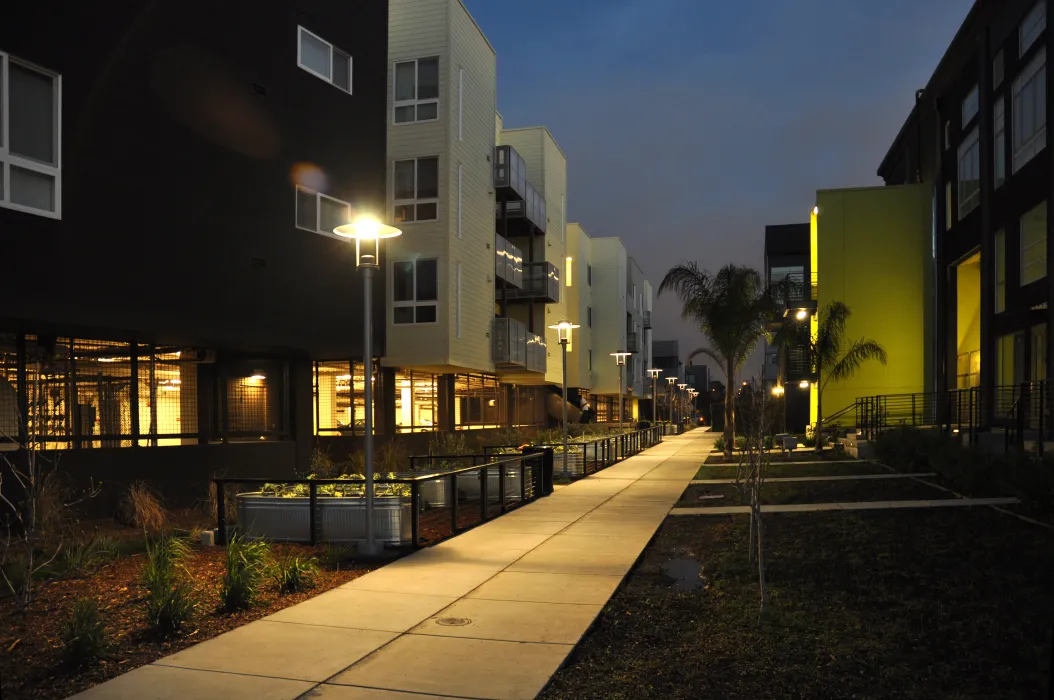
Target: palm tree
829, 361
732, 309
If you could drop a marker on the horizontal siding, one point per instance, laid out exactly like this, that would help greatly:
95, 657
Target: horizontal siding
609, 311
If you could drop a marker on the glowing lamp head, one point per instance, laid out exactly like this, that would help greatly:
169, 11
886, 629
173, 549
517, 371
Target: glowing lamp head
654, 373
682, 387
620, 357
777, 390
367, 233
804, 384
563, 330
671, 380
802, 314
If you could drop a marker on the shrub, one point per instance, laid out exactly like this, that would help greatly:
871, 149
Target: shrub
295, 574
719, 444
141, 507
322, 466
334, 556
769, 443
52, 514
245, 567
908, 448
449, 444
169, 598
740, 442
83, 633
82, 555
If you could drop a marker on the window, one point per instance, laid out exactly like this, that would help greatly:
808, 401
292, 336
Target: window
968, 370
589, 362
460, 172
589, 275
30, 138
1000, 271
1039, 353
323, 59
589, 317
320, 213
969, 174
416, 190
416, 91
998, 68
460, 102
340, 397
416, 405
1030, 110
459, 300
999, 117
949, 216
970, 106
947, 135
1031, 27
415, 291
1034, 245
634, 296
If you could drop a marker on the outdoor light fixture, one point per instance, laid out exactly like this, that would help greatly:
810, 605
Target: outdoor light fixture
367, 233
777, 390
258, 377
563, 332
620, 360
816, 210
802, 314
804, 384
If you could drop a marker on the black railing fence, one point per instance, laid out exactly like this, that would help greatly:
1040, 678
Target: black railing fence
1020, 411
585, 457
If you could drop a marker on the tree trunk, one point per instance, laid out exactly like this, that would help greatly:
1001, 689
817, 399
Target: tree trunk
730, 412
818, 432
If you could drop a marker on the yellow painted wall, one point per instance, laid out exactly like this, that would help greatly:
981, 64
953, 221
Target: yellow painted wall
873, 254
968, 311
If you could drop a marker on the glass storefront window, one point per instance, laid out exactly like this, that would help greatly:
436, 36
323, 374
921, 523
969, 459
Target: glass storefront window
415, 402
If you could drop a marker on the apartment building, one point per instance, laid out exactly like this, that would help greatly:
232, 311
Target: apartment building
487, 262
977, 138
177, 338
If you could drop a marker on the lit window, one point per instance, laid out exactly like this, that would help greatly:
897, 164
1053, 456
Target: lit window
999, 117
1034, 245
416, 190
415, 291
1030, 110
416, 92
969, 174
970, 106
1000, 271
320, 213
1031, 27
30, 146
321, 58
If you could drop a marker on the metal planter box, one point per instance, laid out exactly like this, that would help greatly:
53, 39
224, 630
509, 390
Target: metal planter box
468, 484
342, 519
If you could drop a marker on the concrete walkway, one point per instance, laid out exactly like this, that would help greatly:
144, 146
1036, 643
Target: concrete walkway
861, 505
796, 479
491, 613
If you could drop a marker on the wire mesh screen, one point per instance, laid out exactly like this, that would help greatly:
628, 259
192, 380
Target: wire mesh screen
167, 386
253, 400
49, 391
102, 388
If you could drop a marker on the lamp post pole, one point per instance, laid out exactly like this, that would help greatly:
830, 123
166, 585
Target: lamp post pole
654, 394
367, 233
620, 360
563, 330
680, 403
669, 399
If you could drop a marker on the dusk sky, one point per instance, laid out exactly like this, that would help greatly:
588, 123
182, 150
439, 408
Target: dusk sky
691, 124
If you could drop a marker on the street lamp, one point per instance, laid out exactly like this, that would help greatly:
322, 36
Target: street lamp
680, 401
654, 374
563, 331
669, 397
367, 233
620, 360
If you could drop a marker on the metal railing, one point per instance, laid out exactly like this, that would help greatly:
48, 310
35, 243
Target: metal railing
517, 480
587, 457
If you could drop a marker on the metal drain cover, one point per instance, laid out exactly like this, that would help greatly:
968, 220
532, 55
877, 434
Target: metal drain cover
453, 621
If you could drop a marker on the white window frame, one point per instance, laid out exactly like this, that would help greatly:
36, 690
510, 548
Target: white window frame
1032, 75
414, 303
970, 173
1031, 27
971, 105
318, 211
415, 102
301, 30
460, 102
1027, 247
416, 200
8, 159
999, 141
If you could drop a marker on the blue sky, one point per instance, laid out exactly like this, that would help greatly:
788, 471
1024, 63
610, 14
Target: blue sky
691, 124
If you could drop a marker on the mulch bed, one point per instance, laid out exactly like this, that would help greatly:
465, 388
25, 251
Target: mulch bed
802, 454
30, 646
728, 471
915, 605
786, 493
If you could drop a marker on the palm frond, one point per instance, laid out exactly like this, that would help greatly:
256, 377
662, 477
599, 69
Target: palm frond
859, 352
713, 355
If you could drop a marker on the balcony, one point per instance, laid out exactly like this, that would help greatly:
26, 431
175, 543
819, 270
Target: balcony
541, 283
647, 320
632, 342
798, 368
517, 201
536, 353
508, 262
508, 343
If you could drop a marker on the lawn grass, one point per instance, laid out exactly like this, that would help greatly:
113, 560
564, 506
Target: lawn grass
849, 491
708, 471
921, 604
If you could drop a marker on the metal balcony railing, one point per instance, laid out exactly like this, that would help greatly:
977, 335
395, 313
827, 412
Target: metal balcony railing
508, 262
508, 343
541, 282
536, 353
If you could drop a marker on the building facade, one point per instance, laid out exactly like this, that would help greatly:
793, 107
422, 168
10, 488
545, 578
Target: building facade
977, 140
178, 339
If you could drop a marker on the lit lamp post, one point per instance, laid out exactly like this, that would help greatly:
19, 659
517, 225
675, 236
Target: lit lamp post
680, 402
620, 360
563, 330
669, 397
368, 233
654, 374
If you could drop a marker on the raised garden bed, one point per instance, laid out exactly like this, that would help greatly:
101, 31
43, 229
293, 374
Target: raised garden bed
728, 471
342, 519
922, 604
